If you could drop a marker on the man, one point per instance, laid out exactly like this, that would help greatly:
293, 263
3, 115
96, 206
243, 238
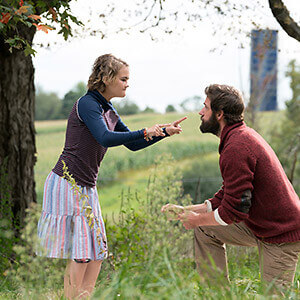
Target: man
256, 206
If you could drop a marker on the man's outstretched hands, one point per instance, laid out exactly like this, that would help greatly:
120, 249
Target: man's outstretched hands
189, 219
174, 127
172, 211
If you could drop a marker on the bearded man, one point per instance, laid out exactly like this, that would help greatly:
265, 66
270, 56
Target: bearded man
256, 206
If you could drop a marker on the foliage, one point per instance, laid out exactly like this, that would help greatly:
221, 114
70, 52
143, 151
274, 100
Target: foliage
286, 138
30, 275
71, 97
112, 164
29, 13
47, 106
126, 107
150, 258
170, 108
148, 110
92, 220
202, 179
140, 235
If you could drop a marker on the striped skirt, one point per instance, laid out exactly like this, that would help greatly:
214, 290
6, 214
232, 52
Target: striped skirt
70, 226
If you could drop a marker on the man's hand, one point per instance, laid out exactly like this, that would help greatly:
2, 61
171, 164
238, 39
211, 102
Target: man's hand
172, 211
189, 219
174, 127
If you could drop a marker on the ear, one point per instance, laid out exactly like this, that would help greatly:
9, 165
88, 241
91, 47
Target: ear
105, 80
220, 115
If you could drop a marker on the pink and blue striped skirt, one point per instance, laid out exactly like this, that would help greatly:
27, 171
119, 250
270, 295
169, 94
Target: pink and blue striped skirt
71, 226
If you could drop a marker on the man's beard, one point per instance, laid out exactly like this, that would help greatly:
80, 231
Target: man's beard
211, 125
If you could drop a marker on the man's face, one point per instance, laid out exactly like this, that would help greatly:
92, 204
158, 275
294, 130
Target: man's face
209, 120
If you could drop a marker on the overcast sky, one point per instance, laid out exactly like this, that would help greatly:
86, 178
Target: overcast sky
163, 72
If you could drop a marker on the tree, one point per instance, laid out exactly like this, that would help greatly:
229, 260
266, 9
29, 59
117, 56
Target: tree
126, 107
170, 108
47, 106
19, 21
286, 140
148, 110
71, 97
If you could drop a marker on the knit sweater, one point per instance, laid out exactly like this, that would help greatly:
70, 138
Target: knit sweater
247, 162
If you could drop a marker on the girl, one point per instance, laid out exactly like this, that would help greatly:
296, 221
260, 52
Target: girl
93, 126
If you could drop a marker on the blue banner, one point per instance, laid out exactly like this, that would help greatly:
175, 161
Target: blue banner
263, 86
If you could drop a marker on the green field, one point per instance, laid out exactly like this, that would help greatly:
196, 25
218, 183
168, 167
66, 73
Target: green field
150, 257
121, 168
50, 140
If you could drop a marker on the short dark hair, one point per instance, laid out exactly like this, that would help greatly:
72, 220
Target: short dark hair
106, 66
228, 99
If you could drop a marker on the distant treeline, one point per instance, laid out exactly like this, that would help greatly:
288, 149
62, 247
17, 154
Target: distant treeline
48, 105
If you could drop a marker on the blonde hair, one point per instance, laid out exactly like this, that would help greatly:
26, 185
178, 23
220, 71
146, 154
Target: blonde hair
105, 68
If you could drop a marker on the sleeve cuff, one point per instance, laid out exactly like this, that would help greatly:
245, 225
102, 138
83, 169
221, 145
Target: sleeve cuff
165, 131
208, 205
218, 218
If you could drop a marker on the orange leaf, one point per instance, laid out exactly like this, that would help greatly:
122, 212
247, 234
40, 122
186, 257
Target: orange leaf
44, 28
34, 17
5, 18
53, 13
22, 10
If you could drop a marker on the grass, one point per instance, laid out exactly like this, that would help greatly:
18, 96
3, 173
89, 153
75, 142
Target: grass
143, 276
51, 135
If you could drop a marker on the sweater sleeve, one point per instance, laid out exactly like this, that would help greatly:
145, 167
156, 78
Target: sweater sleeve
237, 165
90, 112
140, 143
216, 200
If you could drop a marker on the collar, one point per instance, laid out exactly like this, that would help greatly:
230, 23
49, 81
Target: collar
225, 133
106, 105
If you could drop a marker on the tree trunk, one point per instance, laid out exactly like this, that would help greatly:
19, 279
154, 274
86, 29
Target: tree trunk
17, 133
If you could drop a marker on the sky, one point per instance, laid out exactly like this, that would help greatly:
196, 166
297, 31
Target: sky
166, 71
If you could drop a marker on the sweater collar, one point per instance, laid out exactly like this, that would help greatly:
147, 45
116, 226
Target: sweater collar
225, 133
106, 105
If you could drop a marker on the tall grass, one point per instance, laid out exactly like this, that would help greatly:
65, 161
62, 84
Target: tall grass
150, 257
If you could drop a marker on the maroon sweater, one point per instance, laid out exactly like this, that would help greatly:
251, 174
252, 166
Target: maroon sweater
247, 162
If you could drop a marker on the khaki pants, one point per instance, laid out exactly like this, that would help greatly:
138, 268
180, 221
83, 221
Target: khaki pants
277, 262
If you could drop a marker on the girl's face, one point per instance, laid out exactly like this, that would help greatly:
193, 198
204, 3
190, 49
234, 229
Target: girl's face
117, 88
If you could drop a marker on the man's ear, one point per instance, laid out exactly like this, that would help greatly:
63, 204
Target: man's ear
220, 115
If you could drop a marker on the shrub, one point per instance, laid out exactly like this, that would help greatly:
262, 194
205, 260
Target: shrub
140, 235
202, 179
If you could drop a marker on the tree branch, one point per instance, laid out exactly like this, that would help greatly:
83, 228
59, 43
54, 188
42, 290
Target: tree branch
282, 15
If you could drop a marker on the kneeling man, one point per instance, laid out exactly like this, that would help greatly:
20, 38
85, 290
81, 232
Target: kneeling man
256, 206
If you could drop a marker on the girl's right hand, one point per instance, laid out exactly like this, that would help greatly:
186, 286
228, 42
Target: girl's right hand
156, 130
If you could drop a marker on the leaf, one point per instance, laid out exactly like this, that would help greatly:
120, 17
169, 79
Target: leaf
34, 17
29, 50
22, 10
5, 18
53, 13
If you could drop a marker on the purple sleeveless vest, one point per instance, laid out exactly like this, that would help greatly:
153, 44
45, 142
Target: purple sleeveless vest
82, 153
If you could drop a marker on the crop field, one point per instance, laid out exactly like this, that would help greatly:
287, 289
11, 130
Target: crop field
130, 168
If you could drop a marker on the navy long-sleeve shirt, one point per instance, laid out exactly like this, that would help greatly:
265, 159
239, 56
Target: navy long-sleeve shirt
93, 126
90, 111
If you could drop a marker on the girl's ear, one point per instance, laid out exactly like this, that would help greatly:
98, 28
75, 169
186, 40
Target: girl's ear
105, 80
